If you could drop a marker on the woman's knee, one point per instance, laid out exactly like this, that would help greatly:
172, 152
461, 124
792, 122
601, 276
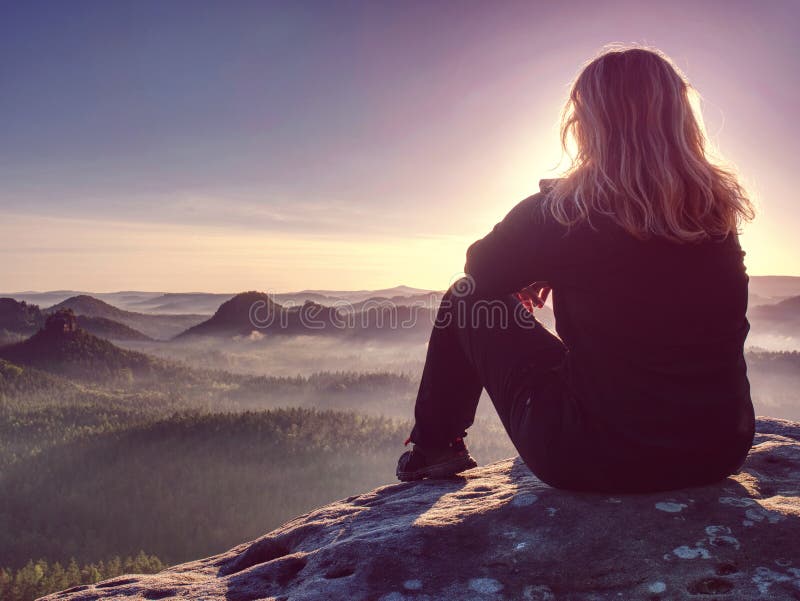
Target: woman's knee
472, 310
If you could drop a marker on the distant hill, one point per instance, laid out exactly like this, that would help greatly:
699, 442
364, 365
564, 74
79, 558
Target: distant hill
783, 317
182, 302
241, 315
362, 295
109, 329
763, 289
428, 299
152, 325
254, 311
89, 306
753, 300
19, 317
299, 298
374, 317
773, 288
165, 315
124, 299
62, 347
202, 302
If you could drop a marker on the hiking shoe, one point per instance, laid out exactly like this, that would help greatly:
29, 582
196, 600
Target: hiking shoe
422, 463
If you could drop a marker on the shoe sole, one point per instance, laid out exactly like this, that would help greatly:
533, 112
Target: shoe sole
439, 470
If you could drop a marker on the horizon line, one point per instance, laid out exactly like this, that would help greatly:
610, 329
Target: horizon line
301, 291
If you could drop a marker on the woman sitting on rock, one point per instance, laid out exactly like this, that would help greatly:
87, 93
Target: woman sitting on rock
645, 387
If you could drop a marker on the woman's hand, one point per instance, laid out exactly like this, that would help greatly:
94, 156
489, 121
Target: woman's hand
534, 295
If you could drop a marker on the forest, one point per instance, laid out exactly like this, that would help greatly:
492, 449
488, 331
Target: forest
89, 473
40, 578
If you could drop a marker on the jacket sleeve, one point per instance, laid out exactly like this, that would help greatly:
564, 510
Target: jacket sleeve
520, 250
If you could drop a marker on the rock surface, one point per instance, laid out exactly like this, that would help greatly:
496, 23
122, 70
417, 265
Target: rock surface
499, 533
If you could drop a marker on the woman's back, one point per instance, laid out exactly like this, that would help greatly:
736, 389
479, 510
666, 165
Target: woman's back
654, 382
655, 331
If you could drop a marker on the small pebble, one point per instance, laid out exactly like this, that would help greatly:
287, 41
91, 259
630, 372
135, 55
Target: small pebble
524, 499
685, 552
485, 585
670, 507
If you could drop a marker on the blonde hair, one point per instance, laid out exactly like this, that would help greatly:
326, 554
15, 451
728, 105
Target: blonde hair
642, 156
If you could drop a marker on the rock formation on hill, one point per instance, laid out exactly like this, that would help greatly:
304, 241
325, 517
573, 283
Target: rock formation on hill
62, 347
496, 532
61, 322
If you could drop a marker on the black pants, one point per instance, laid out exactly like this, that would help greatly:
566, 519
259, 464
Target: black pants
497, 345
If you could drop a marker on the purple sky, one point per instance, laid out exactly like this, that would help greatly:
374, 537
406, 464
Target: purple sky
235, 145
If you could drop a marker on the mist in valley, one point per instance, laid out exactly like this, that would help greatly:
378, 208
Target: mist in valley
291, 355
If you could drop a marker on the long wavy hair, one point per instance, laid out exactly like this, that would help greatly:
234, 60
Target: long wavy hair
640, 153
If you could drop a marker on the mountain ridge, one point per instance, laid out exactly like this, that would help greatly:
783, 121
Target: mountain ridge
24, 318
255, 311
158, 326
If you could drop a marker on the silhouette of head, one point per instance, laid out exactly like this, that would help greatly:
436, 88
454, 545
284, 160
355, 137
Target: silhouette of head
633, 128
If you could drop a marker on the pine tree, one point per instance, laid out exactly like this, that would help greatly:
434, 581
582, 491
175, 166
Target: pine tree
72, 577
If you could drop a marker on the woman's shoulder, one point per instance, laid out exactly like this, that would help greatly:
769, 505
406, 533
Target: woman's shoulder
534, 205
545, 185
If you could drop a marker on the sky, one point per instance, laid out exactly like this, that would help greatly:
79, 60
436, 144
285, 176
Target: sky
228, 146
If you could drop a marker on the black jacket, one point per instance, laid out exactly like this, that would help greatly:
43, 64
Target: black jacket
655, 329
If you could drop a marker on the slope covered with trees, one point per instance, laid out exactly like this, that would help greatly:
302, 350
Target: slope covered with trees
62, 347
38, 578
19, 317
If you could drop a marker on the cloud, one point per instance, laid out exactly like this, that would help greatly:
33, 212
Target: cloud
104, 255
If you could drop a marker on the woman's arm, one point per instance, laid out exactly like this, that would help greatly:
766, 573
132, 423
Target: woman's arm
520, 250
